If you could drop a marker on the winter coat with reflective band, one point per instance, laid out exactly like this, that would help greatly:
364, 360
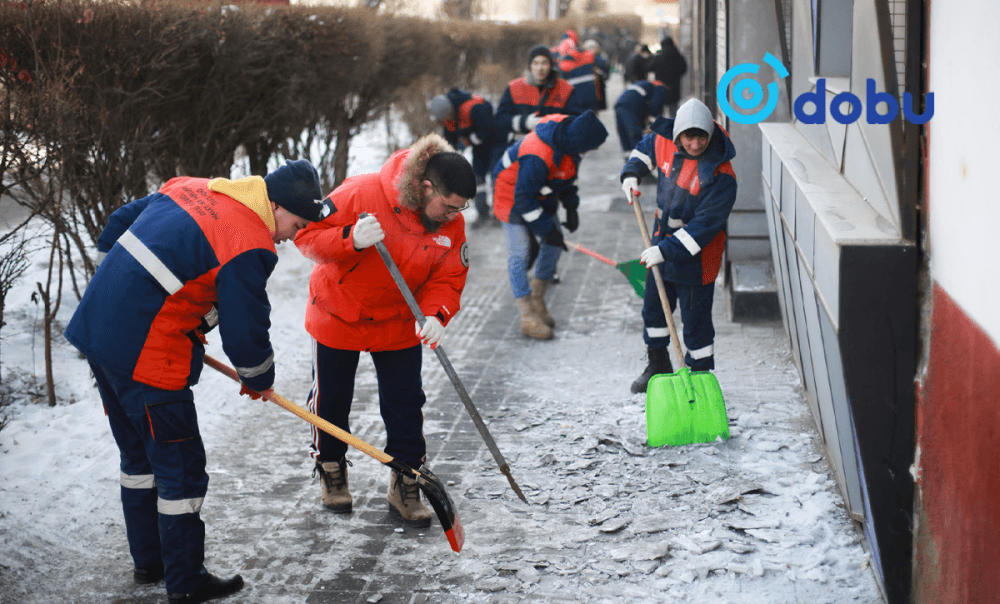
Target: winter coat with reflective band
534, 175
694, 197
522, 99
354, 304
171, 257
579, 68
644, 98
475, 125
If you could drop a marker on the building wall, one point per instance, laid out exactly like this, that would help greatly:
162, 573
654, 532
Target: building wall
847, 271
958, 429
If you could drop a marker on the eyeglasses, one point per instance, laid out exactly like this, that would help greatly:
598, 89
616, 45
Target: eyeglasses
449, 209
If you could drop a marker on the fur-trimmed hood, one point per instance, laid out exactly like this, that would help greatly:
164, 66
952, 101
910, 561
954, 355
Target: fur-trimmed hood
404, 171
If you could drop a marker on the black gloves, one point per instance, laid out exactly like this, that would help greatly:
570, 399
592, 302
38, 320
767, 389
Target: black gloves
572, 220
555, 238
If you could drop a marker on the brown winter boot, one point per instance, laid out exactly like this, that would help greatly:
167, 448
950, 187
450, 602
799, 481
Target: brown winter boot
531, 324
333, 479
404, 501
538, 288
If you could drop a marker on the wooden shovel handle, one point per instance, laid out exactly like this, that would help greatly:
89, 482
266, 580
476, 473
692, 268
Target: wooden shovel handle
659, 283
312, 418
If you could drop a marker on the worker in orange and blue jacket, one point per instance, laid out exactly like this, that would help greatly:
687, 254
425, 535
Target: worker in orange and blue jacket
532, 179
468, 121
579, 67
414, 203
695, 193
170, 267
639, 101
539, 93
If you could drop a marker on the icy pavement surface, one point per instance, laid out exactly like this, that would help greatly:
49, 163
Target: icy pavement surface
756, 519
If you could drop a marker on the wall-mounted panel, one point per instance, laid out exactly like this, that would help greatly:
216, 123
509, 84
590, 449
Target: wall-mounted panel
804, 357
765, 164
842, 414
860, 171
805, 226
827, 273
788, 198
883, 141
775, 180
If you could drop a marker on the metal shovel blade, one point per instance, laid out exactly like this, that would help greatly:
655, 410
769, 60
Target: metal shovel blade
684, 408
443, 506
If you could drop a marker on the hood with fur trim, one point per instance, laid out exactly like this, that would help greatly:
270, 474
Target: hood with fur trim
410, 165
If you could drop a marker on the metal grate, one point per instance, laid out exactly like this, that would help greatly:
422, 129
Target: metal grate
786, 15
897, 20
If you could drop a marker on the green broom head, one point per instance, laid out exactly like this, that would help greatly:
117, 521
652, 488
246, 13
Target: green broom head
636, 274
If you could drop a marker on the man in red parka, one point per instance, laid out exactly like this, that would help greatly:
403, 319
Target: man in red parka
414, 203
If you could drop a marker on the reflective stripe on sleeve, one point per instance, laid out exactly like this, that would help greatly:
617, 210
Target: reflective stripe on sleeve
212, 317
532, 215
688, 241
581, 79
675, 223
702, 353
507, 161
642, 156
546, 190
475, 140
100, 258
251, 372
177, 507
657, 332
150, 262
138, 481
637, 88
514, 123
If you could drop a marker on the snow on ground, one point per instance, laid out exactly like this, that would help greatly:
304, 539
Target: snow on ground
757, 519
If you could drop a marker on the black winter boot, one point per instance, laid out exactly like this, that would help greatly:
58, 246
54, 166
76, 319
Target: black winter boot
659, 362
149, 575
213, 587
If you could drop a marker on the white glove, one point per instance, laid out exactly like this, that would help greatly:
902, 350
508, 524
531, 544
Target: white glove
432, 332
630, 186
651, 256
367, 232
531, 121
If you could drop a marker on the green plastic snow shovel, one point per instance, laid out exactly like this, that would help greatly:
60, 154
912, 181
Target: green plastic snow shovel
633, 270
683, 407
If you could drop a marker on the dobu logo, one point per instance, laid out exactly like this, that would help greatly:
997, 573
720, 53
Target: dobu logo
755, 89
817, 98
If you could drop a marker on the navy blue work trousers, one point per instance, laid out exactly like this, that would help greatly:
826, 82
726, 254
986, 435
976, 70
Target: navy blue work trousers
696, 315
401, 400
163, 477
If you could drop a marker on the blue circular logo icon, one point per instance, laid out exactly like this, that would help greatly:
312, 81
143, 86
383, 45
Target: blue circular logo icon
748, 93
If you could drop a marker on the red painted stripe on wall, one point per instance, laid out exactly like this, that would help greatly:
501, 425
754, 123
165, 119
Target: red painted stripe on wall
958, 429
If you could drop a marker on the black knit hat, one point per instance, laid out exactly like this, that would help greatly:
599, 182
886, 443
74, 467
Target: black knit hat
541, 50
295, 187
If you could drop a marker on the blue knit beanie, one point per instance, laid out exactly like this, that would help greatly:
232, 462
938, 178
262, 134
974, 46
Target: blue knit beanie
295, 187
584, 133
